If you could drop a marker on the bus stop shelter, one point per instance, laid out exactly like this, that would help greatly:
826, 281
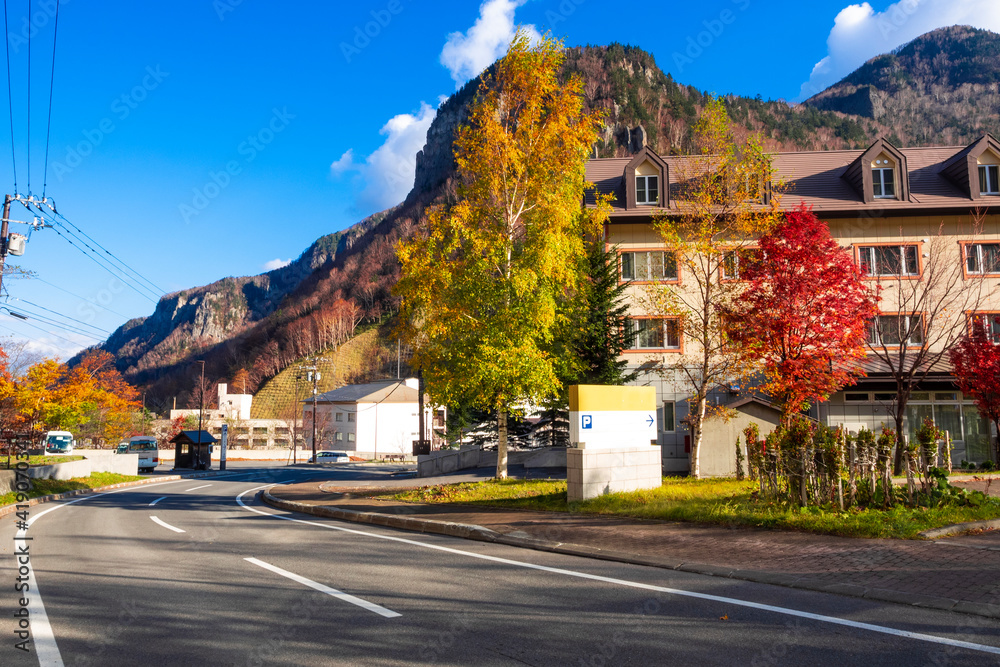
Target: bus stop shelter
193, 450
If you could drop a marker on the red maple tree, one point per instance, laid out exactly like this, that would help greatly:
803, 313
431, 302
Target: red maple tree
976, 363
804, 313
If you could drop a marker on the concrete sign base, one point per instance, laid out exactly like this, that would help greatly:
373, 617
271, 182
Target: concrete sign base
596, 471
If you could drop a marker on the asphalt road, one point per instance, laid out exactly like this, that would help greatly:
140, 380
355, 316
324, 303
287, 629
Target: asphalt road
197, 572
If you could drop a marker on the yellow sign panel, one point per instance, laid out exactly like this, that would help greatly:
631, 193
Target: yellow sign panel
603, 398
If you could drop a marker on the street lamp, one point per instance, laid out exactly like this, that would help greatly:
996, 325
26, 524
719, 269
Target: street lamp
201, 405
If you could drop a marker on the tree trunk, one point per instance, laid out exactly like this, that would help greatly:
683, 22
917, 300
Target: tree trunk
697, 430
501, 444
897, 462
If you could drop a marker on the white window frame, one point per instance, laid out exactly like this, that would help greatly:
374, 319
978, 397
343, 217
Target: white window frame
645, 201
628, 266
878, 179
350, 437
875, 339
989, 174
873, 256
666, 333
974, 263
990, 324
672, 406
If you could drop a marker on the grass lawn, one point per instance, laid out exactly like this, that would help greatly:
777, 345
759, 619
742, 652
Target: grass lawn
718, 501
44, 487
44, 460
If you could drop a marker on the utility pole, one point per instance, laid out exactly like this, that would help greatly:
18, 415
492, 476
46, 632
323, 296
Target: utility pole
201, 407
312, 375
3, 238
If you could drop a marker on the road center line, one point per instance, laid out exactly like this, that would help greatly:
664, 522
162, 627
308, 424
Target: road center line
166, 525
157, 500
634, 584
364, 604
203, 486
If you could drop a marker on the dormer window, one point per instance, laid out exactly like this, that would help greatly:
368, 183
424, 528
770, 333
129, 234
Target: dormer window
989, 179
647, 190
883, 179
989, 173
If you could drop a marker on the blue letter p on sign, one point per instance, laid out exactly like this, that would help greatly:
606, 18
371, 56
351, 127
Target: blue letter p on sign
588, 421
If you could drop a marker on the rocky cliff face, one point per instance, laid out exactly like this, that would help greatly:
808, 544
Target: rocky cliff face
943, 88
193, 319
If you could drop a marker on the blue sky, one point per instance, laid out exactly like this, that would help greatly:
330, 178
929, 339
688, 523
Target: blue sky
202, 139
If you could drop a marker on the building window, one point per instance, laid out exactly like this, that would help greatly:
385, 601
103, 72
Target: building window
989, 323
340, 417
982, 258
989, 179
883, 181
351, 417
896, 330
339, 437
734, 261
668, 417
648, 265
647, 190
350, 437
889, 260
656, 333
856, 397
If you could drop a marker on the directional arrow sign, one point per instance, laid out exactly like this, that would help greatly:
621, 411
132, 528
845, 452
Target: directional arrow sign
604, 416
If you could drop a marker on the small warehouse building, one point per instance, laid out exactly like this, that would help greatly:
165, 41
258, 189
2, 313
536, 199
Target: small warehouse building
193, 450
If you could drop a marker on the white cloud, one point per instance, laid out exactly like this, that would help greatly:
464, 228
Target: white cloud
387, 174
344, 163
466, 55
860, 33
277, 263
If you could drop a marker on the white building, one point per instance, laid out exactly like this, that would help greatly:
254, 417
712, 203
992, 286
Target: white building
372, 420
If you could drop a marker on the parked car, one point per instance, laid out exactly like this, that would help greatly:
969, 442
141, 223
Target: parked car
330, 457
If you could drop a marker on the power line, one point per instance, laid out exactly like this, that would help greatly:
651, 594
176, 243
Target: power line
28, 138
95, 256
61, 315
159, 290
52, 81
62, 326
61, 289
96, 261
10, 95
71, 342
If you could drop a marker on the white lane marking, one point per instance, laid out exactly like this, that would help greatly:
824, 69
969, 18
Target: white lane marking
157, 500
41, 630
346, 597
165, 524
635, 584
203, 486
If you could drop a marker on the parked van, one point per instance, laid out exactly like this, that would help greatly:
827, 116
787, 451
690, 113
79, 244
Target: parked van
146, 447
58, 442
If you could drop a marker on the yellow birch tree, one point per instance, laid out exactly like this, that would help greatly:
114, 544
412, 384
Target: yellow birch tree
481, 279
725, 203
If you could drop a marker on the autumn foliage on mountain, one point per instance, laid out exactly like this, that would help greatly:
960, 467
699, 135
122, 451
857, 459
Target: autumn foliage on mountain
804, 312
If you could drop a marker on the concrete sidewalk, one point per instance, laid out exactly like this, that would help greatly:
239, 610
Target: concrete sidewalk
959, 574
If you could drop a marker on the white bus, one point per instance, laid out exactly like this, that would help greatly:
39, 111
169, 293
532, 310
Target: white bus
149, 454
58, 442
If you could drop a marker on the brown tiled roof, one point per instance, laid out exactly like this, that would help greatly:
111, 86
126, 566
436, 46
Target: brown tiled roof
814, 178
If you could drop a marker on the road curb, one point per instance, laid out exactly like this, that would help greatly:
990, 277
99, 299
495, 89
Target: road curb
958, 528
9, 509
479, 533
